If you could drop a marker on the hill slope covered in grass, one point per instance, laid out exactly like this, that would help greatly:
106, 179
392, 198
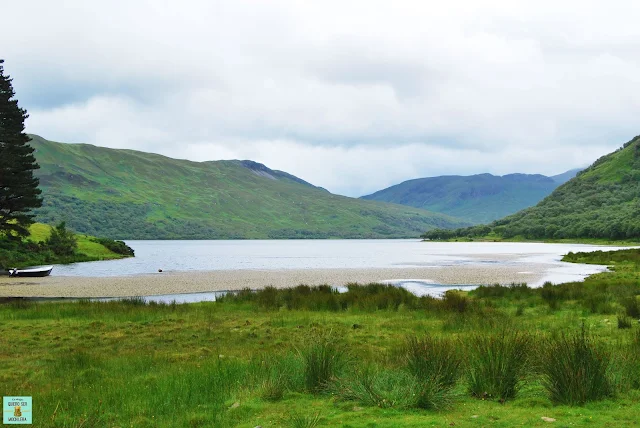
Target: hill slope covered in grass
478, 199
126, 194
601, 202
34, 251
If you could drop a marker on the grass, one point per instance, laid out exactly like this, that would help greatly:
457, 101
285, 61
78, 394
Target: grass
576, 369
292, 357
497, 363
29, 252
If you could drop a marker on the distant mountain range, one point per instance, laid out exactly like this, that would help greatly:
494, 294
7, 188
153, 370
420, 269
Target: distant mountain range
126, 194
603, 201
478, 199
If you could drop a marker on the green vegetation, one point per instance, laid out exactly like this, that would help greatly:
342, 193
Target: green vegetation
62, 241
478, 198
46, 244
602, 202
19, 192
126, 194
309, 356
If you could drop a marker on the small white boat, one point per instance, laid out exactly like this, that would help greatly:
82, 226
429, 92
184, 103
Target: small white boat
31, 271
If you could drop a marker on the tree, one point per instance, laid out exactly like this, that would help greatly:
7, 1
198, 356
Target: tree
19, 191
62, 241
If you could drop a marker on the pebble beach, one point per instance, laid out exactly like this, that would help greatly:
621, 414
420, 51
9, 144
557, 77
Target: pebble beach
227, 280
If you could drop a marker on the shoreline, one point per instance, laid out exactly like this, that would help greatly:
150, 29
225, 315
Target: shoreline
232, 280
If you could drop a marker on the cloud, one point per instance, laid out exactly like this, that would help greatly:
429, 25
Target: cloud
351, 96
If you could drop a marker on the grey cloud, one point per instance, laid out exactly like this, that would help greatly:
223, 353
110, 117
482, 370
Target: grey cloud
363, 80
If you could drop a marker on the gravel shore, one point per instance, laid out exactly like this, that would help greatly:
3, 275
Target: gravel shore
191, 282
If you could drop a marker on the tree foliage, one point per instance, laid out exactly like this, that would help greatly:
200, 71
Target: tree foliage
19, 191
62, 241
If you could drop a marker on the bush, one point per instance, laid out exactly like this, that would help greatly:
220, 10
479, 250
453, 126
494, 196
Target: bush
575, 370
62, 241
497, 364
118, 247
624, 321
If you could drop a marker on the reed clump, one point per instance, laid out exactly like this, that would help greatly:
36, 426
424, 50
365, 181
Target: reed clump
497, 363
575, 369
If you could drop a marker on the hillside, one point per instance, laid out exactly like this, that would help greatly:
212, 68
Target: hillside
34, 250
602, 202
478, 199
126, 194
566, 176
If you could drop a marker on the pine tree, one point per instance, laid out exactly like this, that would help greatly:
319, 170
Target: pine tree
19, 191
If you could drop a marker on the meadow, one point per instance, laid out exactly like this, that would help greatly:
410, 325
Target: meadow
375, 356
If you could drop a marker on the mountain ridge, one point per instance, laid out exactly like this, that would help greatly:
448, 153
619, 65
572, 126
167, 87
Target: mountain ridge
479, 198
128, 194
601, 202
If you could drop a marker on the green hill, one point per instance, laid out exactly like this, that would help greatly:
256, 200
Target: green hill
478, 198
602, 202
125, 194
565, 176
35, 251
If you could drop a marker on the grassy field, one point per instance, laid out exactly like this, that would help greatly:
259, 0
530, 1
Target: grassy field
376, 356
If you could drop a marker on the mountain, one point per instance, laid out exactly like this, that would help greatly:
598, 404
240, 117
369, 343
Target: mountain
602, 201
478, 199
126, 194
566, 176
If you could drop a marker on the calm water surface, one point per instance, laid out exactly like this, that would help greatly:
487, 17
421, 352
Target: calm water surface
186, 256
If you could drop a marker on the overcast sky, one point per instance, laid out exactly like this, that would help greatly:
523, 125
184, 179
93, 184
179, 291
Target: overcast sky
353, 96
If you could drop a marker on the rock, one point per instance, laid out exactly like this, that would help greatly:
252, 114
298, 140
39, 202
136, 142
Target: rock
475, 416
235, 405
546, 419
357, 409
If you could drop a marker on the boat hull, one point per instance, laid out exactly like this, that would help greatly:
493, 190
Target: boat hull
34, 272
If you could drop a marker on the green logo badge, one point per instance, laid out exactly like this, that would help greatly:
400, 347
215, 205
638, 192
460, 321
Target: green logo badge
16, 410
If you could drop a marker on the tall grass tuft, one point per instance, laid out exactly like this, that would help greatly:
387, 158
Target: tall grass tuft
434, 360
304, 421
277, 374
322, 358
371, 386
624, 321
575, 369
497, 363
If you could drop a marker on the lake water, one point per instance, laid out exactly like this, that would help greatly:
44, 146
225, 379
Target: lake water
186, 256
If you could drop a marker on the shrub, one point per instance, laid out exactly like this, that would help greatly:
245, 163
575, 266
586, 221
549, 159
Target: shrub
497, 364
624, 321
118, 247
454, 301
631, 306
62, 241
575, 369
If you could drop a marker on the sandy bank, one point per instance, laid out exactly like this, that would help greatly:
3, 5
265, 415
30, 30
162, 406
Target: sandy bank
189, 282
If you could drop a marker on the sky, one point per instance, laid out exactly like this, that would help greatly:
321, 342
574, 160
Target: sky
353, 96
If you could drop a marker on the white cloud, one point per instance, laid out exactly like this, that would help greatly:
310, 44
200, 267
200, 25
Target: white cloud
351, 96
